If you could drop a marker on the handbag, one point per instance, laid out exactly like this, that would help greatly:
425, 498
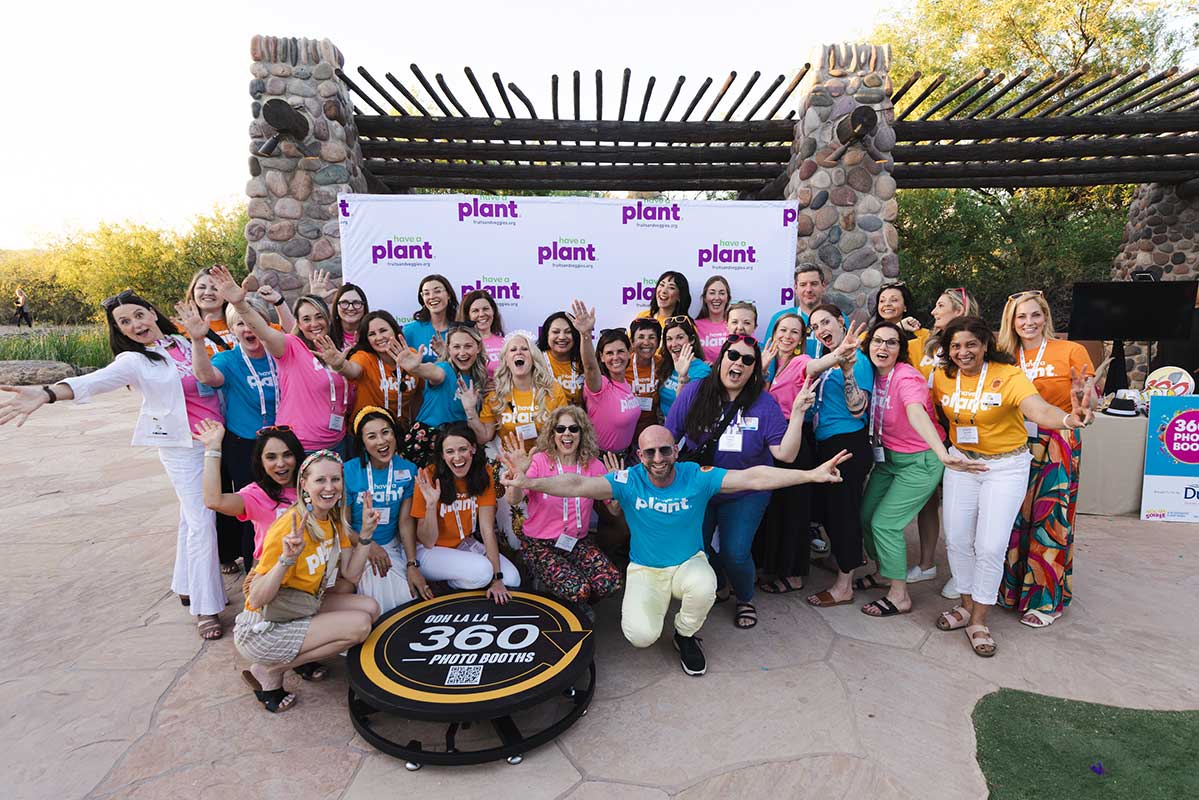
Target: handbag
289, 605
705, 454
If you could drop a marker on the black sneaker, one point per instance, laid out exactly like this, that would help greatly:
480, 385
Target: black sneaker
691, 655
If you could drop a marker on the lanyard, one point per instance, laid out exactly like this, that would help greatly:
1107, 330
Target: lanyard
385, 385
637, 379
978, 396
370, 479
182, 366
457, 519
1031, 369
882, 401
578, 514
345, 386
270, 367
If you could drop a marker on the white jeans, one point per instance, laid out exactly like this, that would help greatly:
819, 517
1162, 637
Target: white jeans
465, 566
979, 510
197, 570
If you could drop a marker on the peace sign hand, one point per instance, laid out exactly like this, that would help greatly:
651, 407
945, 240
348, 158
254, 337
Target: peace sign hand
804, 399
293, 543
847, 350
828, 472
514, 470
370, 517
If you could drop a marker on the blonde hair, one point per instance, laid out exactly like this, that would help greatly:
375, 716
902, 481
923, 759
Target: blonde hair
1008, 340
965, 303
543, 378
302, 517
588, 449
478, 372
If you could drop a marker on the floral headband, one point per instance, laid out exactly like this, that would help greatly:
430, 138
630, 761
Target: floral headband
313, 458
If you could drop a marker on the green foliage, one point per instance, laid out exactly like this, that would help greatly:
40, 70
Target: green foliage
51, 301
82, 347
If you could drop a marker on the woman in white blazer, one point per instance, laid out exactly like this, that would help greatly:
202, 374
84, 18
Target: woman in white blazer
151, 355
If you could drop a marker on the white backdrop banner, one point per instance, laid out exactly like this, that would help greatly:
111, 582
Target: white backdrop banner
535, 254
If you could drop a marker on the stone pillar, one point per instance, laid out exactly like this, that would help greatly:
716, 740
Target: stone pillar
1162, 235
292, 194
847, 206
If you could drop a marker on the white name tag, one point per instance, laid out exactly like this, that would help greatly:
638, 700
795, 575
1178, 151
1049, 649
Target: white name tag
384, 514
879, 455
646, 403
992, 400
967, 434
527, 431
749, 423
566, 542
730, 441
1031, 429
336, 422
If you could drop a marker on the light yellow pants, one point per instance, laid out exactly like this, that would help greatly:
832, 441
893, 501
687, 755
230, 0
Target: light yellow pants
647, 595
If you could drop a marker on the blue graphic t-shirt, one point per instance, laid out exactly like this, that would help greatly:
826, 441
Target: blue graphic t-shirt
418, 333
244, 406
386, 497
665, 524
670, 387
440, 404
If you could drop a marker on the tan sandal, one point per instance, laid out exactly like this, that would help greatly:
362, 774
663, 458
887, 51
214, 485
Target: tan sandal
210, 627
983, 645
959, 617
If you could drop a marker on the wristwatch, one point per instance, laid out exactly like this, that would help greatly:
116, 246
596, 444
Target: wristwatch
413, 563
499, 576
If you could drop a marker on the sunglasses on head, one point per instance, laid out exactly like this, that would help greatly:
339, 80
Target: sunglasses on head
109, 303
1029, 293
733, 338
564, 428
892, 285
679, 319
274, 429
663, 452
612, 330
745, 358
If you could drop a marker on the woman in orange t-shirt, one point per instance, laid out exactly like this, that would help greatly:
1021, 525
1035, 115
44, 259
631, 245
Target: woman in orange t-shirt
1040, 558
457, 499
371, 365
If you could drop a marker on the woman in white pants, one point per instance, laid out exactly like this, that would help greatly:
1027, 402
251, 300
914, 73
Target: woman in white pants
986, 400
151, 355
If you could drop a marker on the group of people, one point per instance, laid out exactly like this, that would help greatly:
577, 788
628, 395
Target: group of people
323, 445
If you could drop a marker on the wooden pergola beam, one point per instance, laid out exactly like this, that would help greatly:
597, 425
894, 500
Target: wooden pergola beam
606, 153
1007, 128
736, 131
1005, 169
573, 184
392, 169
1029, 181
1001, 151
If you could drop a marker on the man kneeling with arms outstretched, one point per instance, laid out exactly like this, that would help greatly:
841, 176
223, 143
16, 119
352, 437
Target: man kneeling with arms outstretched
664, 504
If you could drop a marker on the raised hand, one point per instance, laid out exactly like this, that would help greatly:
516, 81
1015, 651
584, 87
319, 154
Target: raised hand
191, 321
910, 324
267, 292
405, 357
439, 347
612, 462
210, 434
430, 490
329, 352
25, 400
805, 399
293, 543
226, 287
847, 350
682, 362
770, 352
370, 517
321, 284
582, 317
828, 472
512, 445
514, 471
468, 394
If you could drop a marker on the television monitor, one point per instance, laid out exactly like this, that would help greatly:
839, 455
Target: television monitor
1133, 311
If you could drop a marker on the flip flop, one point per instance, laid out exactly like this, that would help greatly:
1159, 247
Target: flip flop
825, 600
772, 586
869, 582
885, 608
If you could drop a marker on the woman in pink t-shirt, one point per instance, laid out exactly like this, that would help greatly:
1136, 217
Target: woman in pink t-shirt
711, 323
479, 307
313, 397
909, 459
611, 404
553, 534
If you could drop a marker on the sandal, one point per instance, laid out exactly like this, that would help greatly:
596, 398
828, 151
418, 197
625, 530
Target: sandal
275, 701
780, 586
231, 568
959, 617
313, 671
983, 645
1039, 619
884, 608
869, 582
210, 627
184, 600
825, 599
746, 616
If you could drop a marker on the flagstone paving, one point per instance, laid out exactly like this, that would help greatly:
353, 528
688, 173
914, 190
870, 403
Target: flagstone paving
109, 692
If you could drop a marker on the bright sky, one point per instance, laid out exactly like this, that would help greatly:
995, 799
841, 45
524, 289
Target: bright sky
139, 110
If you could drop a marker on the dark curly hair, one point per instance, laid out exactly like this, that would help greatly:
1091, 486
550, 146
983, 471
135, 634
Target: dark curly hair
979, 329
708, 407
478, 477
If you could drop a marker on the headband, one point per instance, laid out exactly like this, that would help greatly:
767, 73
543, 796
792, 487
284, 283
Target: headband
316, 456
370, 410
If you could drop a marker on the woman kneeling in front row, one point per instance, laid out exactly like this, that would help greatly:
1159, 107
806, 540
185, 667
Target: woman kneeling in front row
289, 618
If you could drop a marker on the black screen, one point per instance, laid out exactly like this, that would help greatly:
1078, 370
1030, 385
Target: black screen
1133, 311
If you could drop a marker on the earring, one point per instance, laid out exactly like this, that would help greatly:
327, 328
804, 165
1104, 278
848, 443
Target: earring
307, 500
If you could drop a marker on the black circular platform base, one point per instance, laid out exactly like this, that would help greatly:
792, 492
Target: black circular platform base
463, 660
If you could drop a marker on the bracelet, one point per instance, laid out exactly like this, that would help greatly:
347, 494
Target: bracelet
50, 392
499, 576
214, 454
280, 301
1066, 423
287, 563
414, 563
365, 541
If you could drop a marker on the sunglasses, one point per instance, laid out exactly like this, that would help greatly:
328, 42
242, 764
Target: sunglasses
665, 451
1022, 295
606, 331
680, 319
745, 358
733, 338
109, 303
892, 285
274, 429
962, 291
565, 428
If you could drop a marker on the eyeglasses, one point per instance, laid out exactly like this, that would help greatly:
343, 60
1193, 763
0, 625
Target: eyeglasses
274, 429
665, 451
565, 428
885, 342
745, 358
349, 304
109, 303
1029, 293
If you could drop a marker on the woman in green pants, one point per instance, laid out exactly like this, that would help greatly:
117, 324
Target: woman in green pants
909, 459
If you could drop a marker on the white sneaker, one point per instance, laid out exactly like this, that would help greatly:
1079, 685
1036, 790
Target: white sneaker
950, 591
917, 575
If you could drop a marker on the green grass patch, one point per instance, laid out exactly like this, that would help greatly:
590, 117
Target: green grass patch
82, 347
1033, 746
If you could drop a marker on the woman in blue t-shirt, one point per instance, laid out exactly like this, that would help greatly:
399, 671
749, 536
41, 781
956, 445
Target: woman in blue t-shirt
754, 432
389, 479
842, 386
430, 324
682, 360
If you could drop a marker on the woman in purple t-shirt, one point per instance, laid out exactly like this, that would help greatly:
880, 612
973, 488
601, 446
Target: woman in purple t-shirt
755, 433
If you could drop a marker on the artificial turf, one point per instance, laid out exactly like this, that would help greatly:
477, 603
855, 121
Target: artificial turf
1033, 746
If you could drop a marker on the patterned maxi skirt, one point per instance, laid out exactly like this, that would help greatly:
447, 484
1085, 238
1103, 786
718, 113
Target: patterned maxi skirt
1040, 558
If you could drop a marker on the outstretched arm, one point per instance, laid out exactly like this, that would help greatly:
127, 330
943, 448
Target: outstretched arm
759, 479
568, 485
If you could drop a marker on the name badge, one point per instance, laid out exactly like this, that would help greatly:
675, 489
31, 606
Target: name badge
336, 422
384, 514
730, 441
527, 431
992, 399
749, 423
646, 403
566, 542
204, 390
967, 434
1031, 429
880, 455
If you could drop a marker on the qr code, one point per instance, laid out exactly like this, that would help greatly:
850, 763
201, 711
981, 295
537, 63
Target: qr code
464, 676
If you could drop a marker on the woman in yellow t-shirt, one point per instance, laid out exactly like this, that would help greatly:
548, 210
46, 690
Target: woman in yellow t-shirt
1040, 558
986, 399
559, 342
296, 553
